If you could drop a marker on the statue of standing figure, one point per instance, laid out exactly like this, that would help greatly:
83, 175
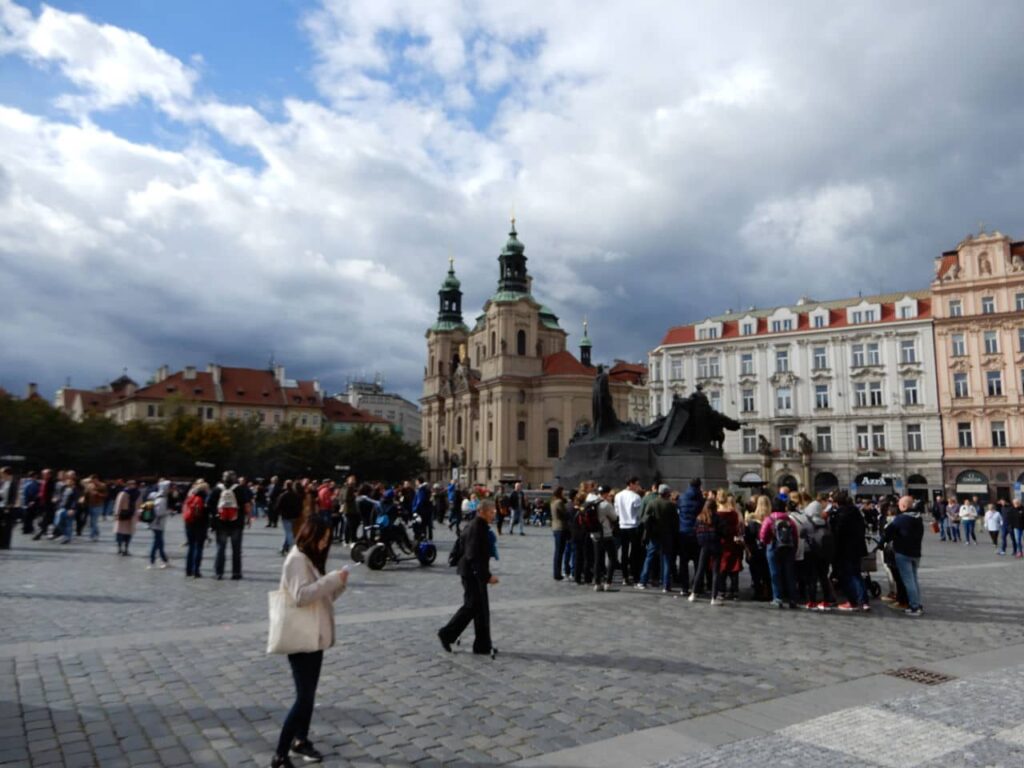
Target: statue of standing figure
605, 421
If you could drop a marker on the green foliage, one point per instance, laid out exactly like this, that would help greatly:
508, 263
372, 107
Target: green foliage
48, 438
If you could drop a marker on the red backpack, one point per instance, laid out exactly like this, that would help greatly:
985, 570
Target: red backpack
195, 508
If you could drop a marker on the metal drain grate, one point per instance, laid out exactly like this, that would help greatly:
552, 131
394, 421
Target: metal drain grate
917, 675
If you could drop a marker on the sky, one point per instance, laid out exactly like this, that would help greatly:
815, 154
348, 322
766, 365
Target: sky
194, 182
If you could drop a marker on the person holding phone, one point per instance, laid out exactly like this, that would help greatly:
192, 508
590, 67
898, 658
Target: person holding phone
304, 576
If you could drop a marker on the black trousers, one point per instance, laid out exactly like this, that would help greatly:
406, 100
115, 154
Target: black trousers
688, 550
475, 608
351, 528
583, 567
233, 534
817, 569
306, 673
633, 553
605, 561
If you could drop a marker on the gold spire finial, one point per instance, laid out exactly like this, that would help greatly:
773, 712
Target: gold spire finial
585, 325
451, 263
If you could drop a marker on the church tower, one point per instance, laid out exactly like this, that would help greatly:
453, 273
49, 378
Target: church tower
585, 346
513, 277
449, 312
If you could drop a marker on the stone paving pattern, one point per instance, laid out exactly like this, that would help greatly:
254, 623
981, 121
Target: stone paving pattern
102, 661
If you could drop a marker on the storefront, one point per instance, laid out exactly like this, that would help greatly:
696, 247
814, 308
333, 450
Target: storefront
872, 485
825, 482
971, 483
752, 481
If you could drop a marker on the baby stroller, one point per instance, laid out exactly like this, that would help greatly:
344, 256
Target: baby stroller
383, 544
869, 564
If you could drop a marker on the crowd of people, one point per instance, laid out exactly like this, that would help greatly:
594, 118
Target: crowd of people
801, 551
956, 521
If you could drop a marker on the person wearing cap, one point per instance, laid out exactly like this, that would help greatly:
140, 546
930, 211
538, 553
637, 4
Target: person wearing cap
662, 527
474, 569
603, 543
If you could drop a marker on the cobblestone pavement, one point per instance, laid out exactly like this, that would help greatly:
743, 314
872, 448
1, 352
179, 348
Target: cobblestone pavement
103, 662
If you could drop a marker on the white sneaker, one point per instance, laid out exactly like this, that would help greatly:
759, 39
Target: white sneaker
163, 565
716, 601
693, 597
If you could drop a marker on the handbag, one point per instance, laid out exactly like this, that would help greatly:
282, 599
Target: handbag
292, 629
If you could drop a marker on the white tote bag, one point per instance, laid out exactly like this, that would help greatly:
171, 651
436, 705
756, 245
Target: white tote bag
292, 629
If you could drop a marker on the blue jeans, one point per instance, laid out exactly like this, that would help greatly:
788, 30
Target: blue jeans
517, 519
907, 567
1006, 533
64, 523
851, 581
94, 522
196, 537
560, 541
158, 547
289, 535
782, 570
969, 531
1018, 540
655, 550
954, 531
944, 530
306, 674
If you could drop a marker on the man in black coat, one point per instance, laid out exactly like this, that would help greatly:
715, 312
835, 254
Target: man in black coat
474, 568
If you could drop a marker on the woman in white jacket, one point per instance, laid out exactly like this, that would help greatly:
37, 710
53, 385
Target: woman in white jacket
304, 578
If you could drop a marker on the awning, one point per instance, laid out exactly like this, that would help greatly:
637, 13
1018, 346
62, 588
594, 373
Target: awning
972, 488
751, 478
873, 486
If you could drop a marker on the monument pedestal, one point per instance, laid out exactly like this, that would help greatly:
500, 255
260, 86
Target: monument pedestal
613, 462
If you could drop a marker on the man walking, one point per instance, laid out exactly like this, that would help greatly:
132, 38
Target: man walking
474, 569
627, 509
939, 516
95, 502
517, 505
906, 532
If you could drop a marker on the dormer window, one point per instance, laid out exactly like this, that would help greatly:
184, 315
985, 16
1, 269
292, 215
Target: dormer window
780, 326
748, 328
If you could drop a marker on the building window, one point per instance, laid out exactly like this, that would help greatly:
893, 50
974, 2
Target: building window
956, 308
521, 430
493, 344
710, 333
994, 383
490, 431
998, 434
821, 398
713, 367
965, 438
991, 343
875, 390
458, 431
910, 391
784, 399
863, 438
675, 368
781, 360
907, 312
960, 388
819, 321
786, 438
715, 400
199, 413
655, 371
521, 343
988, 305
747, 400
820, 357
858, 355
1020, 302
702, 368
959, 345
750, 441
874, 356
747, 329
914, 440
878, 437
823, 439
553, 443
150, 411
1020, 339
860, 391
778, 326
209, 414
746, 364
908, 351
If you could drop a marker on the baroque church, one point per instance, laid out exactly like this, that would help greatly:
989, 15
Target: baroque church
502, 399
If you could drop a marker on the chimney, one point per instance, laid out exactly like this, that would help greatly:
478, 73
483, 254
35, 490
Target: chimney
279, 374
31, 389
214, 370
316, 385
190, 373
161, 373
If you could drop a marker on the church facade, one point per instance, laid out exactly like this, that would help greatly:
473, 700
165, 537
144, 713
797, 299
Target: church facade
503, 398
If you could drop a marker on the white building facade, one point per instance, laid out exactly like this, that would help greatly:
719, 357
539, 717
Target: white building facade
837, 394
403, 414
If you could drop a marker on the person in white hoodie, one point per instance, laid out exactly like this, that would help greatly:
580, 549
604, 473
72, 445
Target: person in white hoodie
627, 507
993, 523
304, 575
161, 509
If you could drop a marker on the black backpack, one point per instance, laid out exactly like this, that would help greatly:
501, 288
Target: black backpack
783, 529
587, 519
458, 549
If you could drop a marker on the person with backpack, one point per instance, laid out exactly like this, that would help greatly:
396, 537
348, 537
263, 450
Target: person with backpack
708, 532
126, 515
228, 510
661, 527
583, 552
600, 519
478, 547
161, 509
779, 537
193, 514
687, 548
849, 531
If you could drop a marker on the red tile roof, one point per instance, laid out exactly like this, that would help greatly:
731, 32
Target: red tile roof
631, 373
200, 389
948, 260
564, 363
337, 412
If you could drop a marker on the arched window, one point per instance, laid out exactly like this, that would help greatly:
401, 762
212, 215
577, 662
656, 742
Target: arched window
493, 337
521, 343
553, 444
521, 430
458, 431
490, 431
